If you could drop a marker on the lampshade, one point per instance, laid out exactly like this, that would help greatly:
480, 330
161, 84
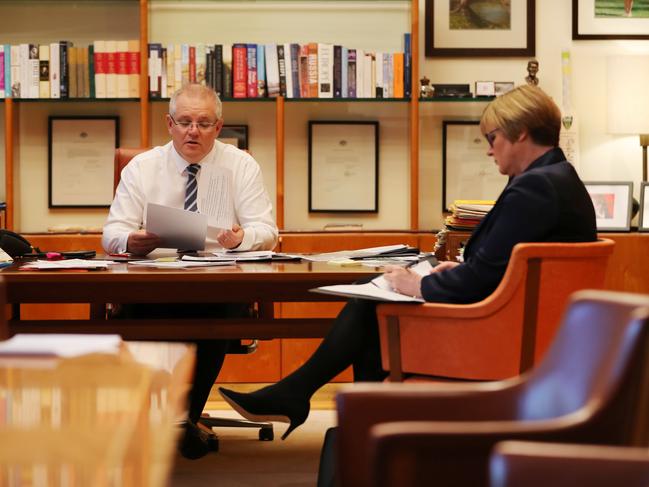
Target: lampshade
628, 95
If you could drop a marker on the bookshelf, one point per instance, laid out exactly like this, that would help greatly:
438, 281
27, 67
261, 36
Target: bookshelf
145, 10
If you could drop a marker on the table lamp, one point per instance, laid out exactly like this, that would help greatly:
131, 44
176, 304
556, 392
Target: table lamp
628, 99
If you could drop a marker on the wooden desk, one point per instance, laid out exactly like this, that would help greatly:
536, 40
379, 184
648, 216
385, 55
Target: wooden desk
264, 283
95, 419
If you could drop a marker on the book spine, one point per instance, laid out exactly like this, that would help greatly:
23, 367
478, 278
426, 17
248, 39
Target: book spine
313, 70
171, 70
261, 71
64, 66
218, 69
8, 80
397, 61
122, 69
133, 68
72, 71
378, 75
407, 68
178, 66
163, 72
360, 74
227, 70
325, 70
295, 69
209, 66
388, 64
337, 72
155, 75
101, 66
184, 64
251, 78
281, 65
239, 70
192, 64
34, 72
2, 71
90, 72
111, 69
351, 73
304, 71
83, 78
272, 70
344, 60
201, 64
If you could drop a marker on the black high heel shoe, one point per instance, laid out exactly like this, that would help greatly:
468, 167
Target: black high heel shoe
257, 406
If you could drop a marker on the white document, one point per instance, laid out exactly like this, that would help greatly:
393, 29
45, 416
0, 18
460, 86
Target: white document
179, 264
46, 265
377, 289
60, 345
347, 254
180, 229
215, 197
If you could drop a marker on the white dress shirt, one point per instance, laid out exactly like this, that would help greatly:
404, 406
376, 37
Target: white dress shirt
159, 176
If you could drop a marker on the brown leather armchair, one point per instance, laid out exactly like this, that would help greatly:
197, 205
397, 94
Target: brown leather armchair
502, 335
530, 464
587, 389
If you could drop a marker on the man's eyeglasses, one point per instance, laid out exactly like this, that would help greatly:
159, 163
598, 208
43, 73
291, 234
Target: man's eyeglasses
491, 136
187, 124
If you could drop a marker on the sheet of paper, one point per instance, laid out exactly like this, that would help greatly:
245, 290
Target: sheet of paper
179, 229
60, 345
178, 264
215, 197
67, 264
346, 254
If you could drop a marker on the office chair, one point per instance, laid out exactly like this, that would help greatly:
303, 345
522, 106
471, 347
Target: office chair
266, 433
590, 387
505, 333
534, 464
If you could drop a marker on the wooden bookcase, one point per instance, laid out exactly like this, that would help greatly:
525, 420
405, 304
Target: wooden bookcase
12, 124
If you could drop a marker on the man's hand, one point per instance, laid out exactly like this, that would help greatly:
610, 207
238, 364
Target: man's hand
403, 280
444, 266
142, 242
230, 239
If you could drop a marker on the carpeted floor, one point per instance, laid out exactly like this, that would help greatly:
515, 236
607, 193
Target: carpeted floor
244, 461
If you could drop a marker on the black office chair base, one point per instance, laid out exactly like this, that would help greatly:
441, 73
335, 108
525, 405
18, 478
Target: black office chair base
266, 432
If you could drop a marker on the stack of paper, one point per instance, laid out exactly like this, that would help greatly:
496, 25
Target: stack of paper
60, 345
467, 214
48, 265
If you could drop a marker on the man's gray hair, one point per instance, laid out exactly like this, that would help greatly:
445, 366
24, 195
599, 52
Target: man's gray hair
197, 90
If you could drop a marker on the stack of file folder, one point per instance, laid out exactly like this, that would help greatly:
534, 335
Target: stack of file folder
467, 214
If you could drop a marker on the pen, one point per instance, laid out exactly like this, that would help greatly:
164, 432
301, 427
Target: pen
428, 257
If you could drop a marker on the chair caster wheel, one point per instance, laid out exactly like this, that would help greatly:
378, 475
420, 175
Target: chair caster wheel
266, 434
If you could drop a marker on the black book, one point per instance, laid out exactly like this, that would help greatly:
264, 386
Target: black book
281, 63
64, 69
338, 74
218, 68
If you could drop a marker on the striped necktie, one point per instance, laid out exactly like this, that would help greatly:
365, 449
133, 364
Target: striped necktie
191, 189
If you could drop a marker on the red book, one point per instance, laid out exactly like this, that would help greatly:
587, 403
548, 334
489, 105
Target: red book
192, 64
239, 70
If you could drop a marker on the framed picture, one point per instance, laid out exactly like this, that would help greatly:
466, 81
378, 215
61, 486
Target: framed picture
502, 87
468, 173
643, 224
612, 202
603, 19
461, 28
343, 167
236, 135
81, 155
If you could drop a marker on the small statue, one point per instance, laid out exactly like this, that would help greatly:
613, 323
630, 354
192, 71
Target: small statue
425, 90
532, 69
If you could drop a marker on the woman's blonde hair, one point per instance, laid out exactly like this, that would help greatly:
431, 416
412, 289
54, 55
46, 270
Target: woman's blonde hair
524, 108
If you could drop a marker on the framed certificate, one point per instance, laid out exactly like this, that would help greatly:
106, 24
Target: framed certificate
343, 167
468, 173
81, 161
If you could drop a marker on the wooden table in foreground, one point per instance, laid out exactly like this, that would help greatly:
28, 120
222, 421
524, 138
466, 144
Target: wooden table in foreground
262, 283
93, 420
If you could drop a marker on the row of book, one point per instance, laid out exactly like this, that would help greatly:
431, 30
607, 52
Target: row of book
104, 69
111, 69
313, 70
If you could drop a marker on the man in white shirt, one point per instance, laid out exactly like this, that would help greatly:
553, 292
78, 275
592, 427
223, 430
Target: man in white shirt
162, 176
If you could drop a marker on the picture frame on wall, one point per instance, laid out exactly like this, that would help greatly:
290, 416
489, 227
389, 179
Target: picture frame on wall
456, 28
613, 202
81, 155
343, 166
236, 135
643, 222
468, 173
605, 20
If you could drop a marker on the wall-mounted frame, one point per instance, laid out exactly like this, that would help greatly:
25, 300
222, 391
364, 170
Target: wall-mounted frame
458, 29
468, 173
343, 166
602, 19
612, 202
643, 222
236, 135
81, 155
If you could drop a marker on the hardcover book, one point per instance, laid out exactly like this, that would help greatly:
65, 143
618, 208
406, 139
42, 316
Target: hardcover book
239, 70
2, 71
111, 69
64, 68
218, 69
261, 71
227, 70
192, 64
337, 72
251, 79
272, 70
407, 69
133, 68
325, 70
351, 73
72, 72
101, 68
303, 74
201, 67
155, 70
122, 69
313, 70
294, 71
281, 63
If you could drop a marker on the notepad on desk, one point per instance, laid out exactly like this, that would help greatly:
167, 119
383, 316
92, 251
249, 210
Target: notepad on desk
377, 289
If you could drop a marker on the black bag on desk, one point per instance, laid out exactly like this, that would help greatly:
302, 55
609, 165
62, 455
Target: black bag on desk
15, 245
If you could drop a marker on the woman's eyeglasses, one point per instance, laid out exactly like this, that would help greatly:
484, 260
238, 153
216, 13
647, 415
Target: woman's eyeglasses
491, 136
187, 124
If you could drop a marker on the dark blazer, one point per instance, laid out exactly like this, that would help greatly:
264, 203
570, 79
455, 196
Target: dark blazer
546, 203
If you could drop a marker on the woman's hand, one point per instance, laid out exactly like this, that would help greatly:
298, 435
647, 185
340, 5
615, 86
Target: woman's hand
403, 280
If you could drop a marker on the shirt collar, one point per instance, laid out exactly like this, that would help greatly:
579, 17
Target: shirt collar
181, 164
